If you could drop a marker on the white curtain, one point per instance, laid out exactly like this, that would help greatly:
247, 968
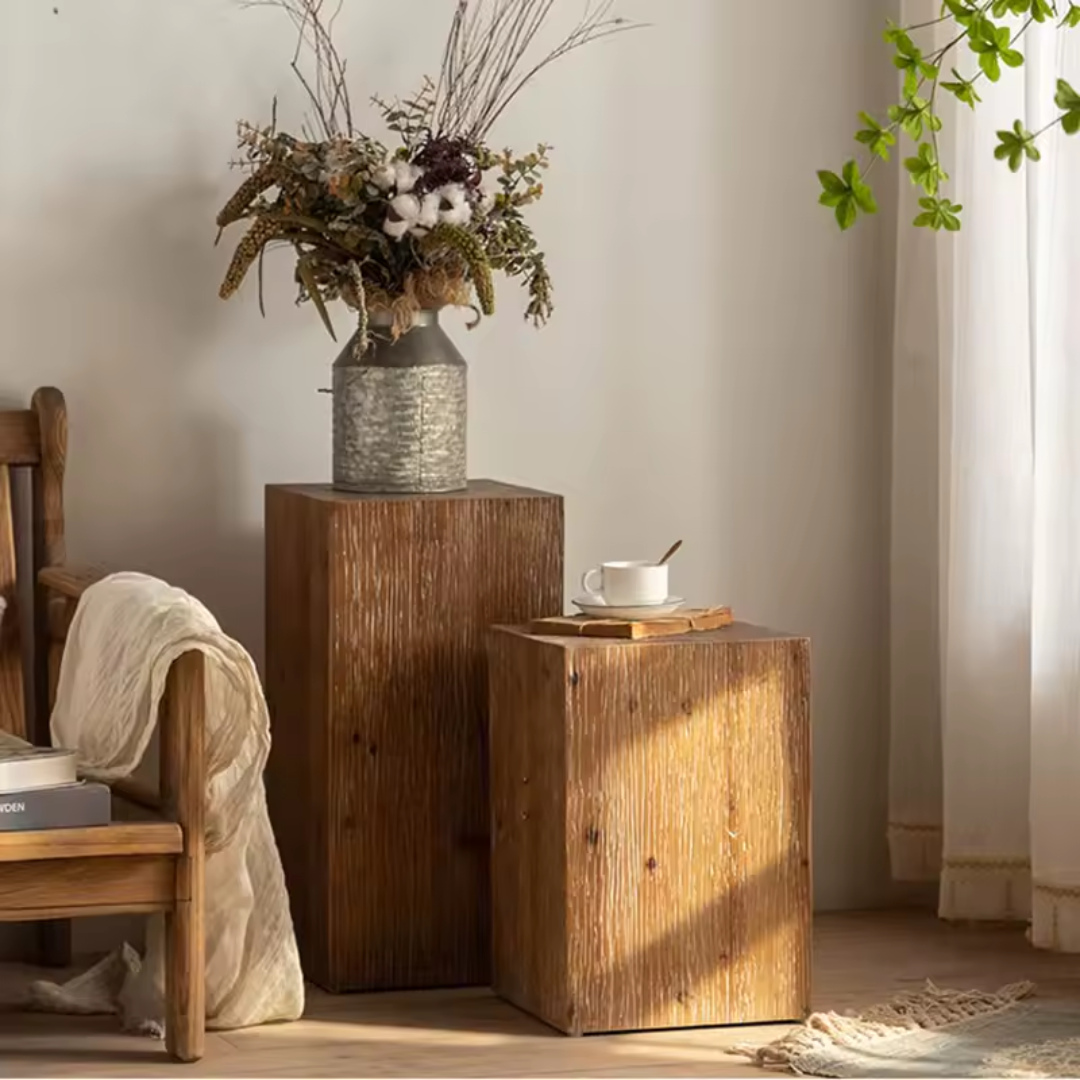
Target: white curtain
985, 634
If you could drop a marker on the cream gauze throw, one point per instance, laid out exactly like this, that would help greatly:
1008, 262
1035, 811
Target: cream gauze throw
127, 631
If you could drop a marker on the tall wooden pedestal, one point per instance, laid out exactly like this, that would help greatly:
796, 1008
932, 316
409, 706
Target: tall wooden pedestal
376, 611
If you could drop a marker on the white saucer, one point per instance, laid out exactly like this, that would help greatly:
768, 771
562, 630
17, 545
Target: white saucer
595, 607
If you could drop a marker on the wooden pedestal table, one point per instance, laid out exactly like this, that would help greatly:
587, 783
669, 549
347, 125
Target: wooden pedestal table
651, 847
376, 612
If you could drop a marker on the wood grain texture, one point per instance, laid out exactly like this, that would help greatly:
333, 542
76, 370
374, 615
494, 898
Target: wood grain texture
49, 406
75, 910
297, 692
686, 804
48, 546
70, 581
12, 702
691, 620
20, 441
529, 841
183, 791
377, 609
120, 838
109, 880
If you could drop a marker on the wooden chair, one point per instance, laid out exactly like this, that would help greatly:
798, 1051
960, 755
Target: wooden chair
144, 866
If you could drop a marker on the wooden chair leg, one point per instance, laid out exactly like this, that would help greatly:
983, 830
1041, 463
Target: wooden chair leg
185, 982
183, 787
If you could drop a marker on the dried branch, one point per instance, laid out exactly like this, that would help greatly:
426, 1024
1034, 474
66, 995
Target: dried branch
325, 85
487, 50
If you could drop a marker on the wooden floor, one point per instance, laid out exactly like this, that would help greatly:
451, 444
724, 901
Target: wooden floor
859, 960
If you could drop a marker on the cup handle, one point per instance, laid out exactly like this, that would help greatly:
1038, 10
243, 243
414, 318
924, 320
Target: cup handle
587, 577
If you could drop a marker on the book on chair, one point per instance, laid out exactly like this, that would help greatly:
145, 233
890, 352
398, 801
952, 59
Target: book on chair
24, 768
69, 806
39, 789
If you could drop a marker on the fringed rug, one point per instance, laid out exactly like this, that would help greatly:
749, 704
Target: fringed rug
935, 1032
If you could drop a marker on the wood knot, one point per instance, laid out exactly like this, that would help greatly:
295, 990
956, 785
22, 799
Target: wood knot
349, 822
652, 864
356, 738
575, 678
524, 815
524, 779
632, 705
592, 836
372, 749
688, 707
683, 997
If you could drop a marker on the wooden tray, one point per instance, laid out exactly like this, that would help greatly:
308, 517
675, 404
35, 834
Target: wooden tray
685, 622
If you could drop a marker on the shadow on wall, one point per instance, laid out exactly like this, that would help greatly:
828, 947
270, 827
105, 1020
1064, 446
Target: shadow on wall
110, 288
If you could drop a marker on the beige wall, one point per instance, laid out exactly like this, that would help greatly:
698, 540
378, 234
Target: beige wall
716, 371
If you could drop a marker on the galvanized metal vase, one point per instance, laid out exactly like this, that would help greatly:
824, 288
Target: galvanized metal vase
400, 411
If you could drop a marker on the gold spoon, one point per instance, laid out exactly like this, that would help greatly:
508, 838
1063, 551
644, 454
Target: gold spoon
670, 551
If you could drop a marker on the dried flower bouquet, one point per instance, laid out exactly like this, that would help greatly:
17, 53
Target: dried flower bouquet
426, 224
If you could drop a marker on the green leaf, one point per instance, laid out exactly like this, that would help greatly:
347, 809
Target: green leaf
864, 198
1072, 17
911, 116
961, 11
876, 138
988, 61
1068, 100
1013, 146
832, 183
925, 170
846, 212
1013, 57
963, 89
939, 214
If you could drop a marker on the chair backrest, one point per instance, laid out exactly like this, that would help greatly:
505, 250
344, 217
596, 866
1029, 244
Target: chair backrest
33, 451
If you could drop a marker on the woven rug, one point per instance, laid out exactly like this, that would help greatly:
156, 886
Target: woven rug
935, 1032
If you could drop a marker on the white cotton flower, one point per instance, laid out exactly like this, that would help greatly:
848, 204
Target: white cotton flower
396, 229
428, 217
406, 206
405, 175
384, 177
452, 193
454, 208
404, 212
458, 215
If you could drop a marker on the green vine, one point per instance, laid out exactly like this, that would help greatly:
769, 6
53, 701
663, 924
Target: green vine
993, 46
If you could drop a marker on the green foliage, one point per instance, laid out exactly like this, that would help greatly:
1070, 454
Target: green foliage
992, 45
875, 137
847, 194
925, 169
910, 61
912, 115
1015, 145
989, 33
1068, 100
939, 214
963, 89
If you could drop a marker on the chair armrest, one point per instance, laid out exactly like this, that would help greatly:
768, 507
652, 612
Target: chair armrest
70, 581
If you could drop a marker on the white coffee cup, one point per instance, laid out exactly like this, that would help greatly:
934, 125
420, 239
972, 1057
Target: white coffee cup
626, 584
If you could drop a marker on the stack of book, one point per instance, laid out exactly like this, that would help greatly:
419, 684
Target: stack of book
39, 789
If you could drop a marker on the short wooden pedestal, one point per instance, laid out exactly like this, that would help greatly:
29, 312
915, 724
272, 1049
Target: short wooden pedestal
651, 849
376, 612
